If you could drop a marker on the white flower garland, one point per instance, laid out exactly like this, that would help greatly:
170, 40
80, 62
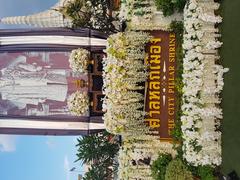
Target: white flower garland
124, 69
79, 60
146, 17
137, 155
203, 81
78, 103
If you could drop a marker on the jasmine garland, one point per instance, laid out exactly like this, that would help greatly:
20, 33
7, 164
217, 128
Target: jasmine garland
79, 60
124, 69
78, 103
203, 81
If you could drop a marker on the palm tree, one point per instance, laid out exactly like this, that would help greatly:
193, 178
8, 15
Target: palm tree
96, 147
77, 11
98, 150
97, 172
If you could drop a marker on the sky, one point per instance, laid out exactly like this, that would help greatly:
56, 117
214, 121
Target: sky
22, 7
35, 157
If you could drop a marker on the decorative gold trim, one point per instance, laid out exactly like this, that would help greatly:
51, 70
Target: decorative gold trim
91, 62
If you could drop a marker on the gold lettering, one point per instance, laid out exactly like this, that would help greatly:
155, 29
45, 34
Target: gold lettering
154, 95
153, 123
172, 49
172, 35
171, 106
154, 67
154, 105
154, 75
155, 40
170, 111
171, 91
155, 49
172, 54
151, 113
171, 68
172, 60
154, 85
155, 59
171, 126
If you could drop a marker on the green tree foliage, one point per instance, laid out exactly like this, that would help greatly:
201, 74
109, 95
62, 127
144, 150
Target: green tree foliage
93, 14
206, 172
176, 170
77, 11
168, 7
97, 172
98, 150
96, 147
159, 166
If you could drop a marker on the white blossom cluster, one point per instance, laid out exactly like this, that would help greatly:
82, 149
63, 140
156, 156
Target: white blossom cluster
203, 82
78, 103
143, 9
79, 60
123, 70
96, 11
137, 155
143, 15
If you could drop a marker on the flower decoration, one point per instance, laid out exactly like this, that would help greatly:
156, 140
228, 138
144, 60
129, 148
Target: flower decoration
124, 69
78, 103
203, 82
79, 60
